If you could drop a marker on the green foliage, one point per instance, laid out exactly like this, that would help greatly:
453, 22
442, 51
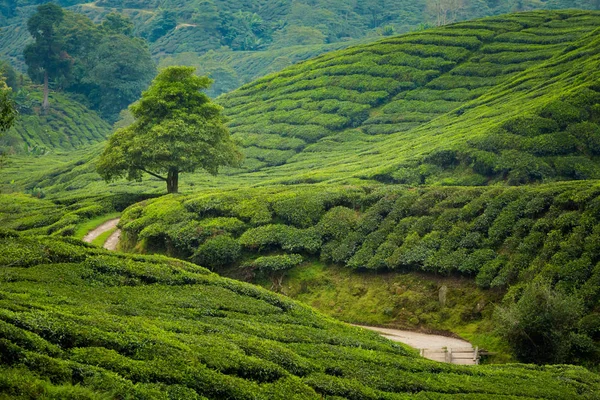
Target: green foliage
184, 127
46, 58
8, 112
500, 237
217, 252
270, 264
68, 125
92, 324
126, 68
540, 325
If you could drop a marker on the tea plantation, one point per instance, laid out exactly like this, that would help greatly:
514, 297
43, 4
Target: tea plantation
78, 322
466, 155
69, 125
438, 106
503, 100
503, 238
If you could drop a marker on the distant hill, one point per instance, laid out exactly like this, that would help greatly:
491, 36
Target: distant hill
511, 98
189, 26
67, 126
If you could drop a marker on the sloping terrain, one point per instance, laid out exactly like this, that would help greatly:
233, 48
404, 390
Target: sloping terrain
504, 98
510, 99
68, 125
79, 322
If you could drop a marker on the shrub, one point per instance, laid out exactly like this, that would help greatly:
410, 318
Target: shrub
562, 113
588, 134
270, 264
283, 236
539, 324
337, 223
531, 125
217, 252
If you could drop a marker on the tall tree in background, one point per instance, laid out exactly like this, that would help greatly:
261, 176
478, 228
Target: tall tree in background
46, 56
444, 12
116, 23
177, 129
119, 70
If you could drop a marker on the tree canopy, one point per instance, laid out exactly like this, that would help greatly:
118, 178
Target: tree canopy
177, 128
46, 56
8, 112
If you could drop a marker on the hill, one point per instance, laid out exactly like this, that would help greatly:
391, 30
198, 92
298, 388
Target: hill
504, 98
174, 26
79, 322
68, 125
511, 99
502, 238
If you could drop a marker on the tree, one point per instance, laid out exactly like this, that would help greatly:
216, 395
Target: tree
444, 11
117, 23
8, 111
540, 326
176, 129
119, 69
46, 55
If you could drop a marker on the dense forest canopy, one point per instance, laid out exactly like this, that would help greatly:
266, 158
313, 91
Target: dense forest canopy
193, 28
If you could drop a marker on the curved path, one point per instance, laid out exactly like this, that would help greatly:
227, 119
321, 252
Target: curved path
433, 347
112, 241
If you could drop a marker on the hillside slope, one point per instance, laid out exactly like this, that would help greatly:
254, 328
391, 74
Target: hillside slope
79, 322
184, 26
510, 99
68, 125
504, 98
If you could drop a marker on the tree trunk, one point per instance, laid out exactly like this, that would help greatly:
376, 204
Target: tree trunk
173, 181
45, 103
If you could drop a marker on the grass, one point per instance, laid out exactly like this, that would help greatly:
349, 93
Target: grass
87, 226
102, 238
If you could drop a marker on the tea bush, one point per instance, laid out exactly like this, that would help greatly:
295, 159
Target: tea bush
125, 326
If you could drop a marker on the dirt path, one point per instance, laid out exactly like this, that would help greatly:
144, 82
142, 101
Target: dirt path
432, 347
420, 340
112, 241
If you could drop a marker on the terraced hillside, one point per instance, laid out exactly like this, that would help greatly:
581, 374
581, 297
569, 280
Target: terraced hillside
395, 91
79, 322
67, 126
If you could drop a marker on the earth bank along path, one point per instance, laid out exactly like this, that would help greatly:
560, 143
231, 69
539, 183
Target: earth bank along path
434, 347
112, 241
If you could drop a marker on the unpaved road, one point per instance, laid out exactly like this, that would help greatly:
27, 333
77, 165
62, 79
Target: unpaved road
420, 340
413, 339
112, 241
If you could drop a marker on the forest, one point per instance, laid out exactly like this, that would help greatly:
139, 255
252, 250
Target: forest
271, 173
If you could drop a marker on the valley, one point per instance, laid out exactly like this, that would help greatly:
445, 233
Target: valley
429, 171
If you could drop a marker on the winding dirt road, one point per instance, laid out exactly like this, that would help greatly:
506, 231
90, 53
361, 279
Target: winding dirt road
420, 340
430, 345
112, 241
433, 347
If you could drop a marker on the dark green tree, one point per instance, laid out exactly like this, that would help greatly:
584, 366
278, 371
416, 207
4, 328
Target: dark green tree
541, 325
119, 70
46, 57
177, 128
117, 23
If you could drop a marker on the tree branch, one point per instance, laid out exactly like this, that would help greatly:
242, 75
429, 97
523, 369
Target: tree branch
152, 173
